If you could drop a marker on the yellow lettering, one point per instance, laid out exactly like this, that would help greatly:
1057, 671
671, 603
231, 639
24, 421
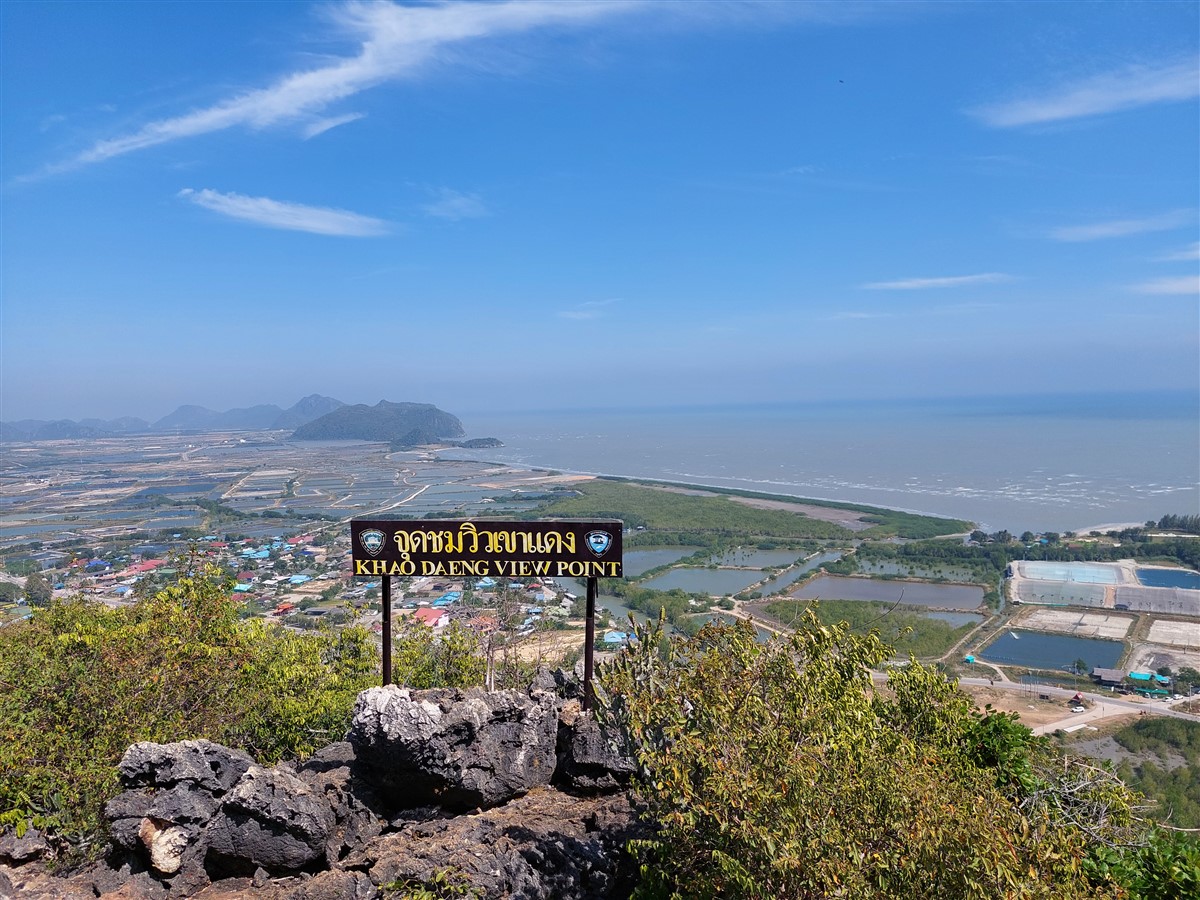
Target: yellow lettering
360, 567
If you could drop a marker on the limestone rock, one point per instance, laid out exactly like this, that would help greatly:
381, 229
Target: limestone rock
165, 843
210, 767
328, 773
337, 885
589, 758
457, 749
270, 819
17, 850
545, 845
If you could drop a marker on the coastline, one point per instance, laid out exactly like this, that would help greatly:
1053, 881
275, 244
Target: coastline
717, 489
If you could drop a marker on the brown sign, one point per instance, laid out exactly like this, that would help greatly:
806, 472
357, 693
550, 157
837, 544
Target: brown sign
483, 547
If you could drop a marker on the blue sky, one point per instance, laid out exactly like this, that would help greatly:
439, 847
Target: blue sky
519, 205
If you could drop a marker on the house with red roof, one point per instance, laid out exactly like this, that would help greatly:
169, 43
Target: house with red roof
434, 618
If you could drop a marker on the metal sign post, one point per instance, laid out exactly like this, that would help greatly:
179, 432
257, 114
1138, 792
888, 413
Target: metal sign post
589, 647
481, 548
387, 629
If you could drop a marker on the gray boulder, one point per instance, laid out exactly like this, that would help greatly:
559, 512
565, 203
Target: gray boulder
329, 774
16, 850
589, 757
459, 750
201, 764
270, 819
173, 792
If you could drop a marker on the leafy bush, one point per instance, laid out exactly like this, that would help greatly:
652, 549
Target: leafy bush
80, 682
779, 770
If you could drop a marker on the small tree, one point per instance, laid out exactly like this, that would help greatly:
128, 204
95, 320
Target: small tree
37, 590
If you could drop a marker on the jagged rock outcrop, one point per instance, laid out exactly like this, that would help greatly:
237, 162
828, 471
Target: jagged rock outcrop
544, 844
455, 749
271, 819
172, 793
429, 785
589, 758
30, 845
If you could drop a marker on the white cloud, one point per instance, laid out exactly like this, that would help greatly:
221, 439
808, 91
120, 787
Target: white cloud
1182, 285
320, 126
1096, 231
1188, 254
455, 205
1127, 88
289, 216
917, 284
395, 42
592, 309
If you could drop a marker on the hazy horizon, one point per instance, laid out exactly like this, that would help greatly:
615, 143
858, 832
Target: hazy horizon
1176, 404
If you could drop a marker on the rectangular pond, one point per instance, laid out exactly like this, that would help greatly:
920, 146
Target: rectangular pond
941, 596
1176, 578
779, 582
1087, 573
637, 562
753, 558
714, 582
1050, 651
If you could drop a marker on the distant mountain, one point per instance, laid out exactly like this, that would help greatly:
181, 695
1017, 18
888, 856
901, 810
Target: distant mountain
314, 417
311, 407
65, 429
198, 418
19, 431
123, 425
407, 423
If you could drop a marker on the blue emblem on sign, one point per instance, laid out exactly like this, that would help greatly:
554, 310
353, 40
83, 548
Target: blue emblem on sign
599, 542
372, 541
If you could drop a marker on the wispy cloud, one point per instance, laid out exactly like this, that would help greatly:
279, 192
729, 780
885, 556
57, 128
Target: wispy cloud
592, 309
455, 205
320, 126
1188, 254
289, 216
1126, 88
396, 42
1111, 228
918, 284
1182, 285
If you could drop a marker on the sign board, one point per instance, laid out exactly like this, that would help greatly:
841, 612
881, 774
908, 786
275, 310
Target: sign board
487, 548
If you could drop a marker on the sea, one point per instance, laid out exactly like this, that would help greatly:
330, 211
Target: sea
1038, 463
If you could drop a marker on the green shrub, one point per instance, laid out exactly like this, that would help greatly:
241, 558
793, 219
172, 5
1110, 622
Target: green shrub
80, 682
779, 770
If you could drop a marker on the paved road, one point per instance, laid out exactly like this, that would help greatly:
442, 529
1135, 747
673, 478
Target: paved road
1103, 705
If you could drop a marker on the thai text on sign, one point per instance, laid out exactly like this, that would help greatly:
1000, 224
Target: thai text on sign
481, 548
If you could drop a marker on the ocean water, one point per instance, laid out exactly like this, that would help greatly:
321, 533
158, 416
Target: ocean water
1042, 464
